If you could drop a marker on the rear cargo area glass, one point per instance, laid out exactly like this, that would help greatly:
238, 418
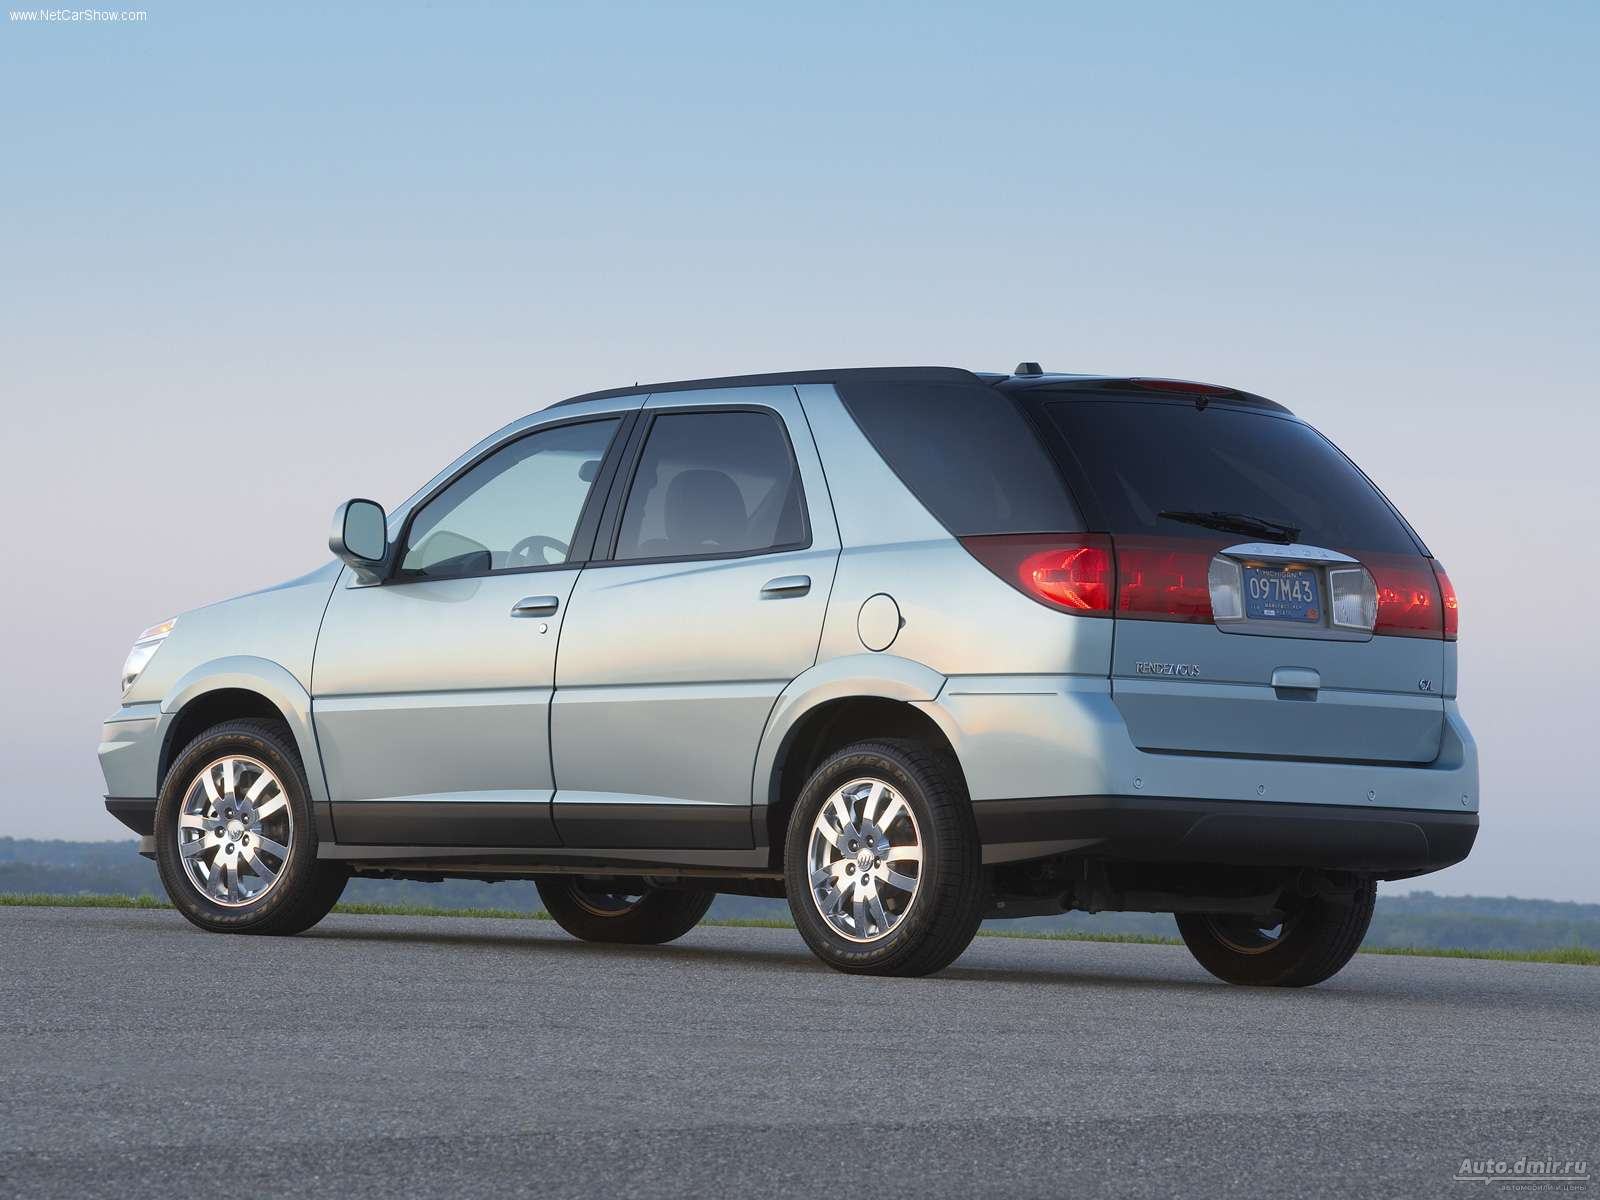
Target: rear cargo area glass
1135, 459
967, 453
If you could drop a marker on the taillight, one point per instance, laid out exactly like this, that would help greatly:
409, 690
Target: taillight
1408, 596
1163, 579
1451, 607
1069, 571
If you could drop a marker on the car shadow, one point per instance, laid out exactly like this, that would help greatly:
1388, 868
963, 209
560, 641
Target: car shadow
545, 939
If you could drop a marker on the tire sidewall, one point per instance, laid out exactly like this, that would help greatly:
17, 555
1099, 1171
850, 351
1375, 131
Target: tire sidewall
660, 915
878, 762
235, 738
1323, 938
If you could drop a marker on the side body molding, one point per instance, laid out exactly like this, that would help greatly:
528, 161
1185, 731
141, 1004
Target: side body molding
854, 675
268, 679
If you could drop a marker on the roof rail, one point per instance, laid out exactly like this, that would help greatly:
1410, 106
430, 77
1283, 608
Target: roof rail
837, 375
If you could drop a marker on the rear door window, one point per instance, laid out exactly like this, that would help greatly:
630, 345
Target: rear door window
1135, 460
967, 453
713, 485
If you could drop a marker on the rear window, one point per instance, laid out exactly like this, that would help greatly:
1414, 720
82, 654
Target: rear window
1138, 459
967, 453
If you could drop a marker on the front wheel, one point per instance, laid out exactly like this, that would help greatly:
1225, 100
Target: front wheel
882, 862
235, 841
607, 910
1313, 942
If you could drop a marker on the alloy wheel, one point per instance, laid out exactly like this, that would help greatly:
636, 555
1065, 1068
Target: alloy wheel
864, 860
235, 831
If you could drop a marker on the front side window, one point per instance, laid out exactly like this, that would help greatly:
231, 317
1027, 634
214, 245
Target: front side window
712, 484
516, 509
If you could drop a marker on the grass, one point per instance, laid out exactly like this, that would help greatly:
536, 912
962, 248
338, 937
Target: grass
1580, 956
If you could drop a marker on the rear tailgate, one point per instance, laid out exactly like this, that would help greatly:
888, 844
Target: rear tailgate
1256, 502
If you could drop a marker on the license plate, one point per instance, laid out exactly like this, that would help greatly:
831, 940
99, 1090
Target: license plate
1282, 594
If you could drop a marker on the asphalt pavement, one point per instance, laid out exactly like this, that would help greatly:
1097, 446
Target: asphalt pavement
383, 1056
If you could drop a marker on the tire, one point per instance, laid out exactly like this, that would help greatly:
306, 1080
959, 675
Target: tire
263, 837
640, 916
1314, 944
913, 930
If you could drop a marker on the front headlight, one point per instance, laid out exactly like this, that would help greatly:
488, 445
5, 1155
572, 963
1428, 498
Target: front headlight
144, 650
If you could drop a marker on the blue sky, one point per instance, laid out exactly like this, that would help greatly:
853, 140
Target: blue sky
256, 259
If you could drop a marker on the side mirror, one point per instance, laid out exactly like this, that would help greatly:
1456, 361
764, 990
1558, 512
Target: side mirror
361, 537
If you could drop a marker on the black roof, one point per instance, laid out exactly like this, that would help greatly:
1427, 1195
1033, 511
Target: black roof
1010, 383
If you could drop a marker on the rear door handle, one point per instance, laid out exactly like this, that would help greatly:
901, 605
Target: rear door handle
535, 606
785, 586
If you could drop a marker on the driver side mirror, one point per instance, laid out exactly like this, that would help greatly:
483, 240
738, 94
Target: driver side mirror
360, 537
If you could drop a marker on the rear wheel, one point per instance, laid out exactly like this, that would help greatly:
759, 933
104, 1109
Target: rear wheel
882, 861
235, 841
609, 910
1311, 944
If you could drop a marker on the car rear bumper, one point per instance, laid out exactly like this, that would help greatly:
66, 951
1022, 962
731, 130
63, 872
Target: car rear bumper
1387, 842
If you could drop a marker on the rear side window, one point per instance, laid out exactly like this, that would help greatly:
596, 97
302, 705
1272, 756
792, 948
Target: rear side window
1139, 459
967, 453
713, 484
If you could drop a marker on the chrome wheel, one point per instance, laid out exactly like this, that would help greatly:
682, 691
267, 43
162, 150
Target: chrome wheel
864, 860
235, 831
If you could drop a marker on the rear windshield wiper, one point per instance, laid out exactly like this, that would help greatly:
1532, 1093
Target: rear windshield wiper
1235, 522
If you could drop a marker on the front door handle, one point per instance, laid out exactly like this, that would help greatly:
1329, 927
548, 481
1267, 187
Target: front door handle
785, 586
535, 606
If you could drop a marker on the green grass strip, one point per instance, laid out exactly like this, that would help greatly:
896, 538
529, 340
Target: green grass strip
1579, 956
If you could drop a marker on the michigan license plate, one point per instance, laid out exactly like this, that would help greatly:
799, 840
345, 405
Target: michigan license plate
1282, 594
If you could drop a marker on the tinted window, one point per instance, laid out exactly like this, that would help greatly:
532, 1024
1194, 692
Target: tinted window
713, 483
967, 453
517, 508
1140, 459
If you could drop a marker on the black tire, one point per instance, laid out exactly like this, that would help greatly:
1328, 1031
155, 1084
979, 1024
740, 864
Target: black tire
631, 915
305, 890
942, 916
1314, 944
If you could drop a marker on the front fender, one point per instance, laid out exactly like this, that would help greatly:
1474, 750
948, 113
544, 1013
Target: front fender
877, 675
266, 678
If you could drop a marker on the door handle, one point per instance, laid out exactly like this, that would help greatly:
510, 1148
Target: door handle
1296, 679
535, 606
785, 586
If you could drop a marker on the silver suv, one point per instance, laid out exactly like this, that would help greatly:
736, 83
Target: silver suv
912, 647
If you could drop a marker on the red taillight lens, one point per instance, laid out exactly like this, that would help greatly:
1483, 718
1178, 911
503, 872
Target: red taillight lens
1069, 571
1163, 579
1451, 607
1078, 578
1408, 596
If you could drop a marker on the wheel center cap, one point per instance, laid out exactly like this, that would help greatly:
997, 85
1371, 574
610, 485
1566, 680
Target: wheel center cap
235, 828
864, 858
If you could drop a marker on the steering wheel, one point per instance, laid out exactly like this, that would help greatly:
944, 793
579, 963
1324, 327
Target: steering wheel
529, 552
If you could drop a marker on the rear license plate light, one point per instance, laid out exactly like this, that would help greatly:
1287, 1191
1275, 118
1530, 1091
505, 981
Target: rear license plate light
1289, 587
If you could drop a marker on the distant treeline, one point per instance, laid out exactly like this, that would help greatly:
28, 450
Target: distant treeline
1418, 919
